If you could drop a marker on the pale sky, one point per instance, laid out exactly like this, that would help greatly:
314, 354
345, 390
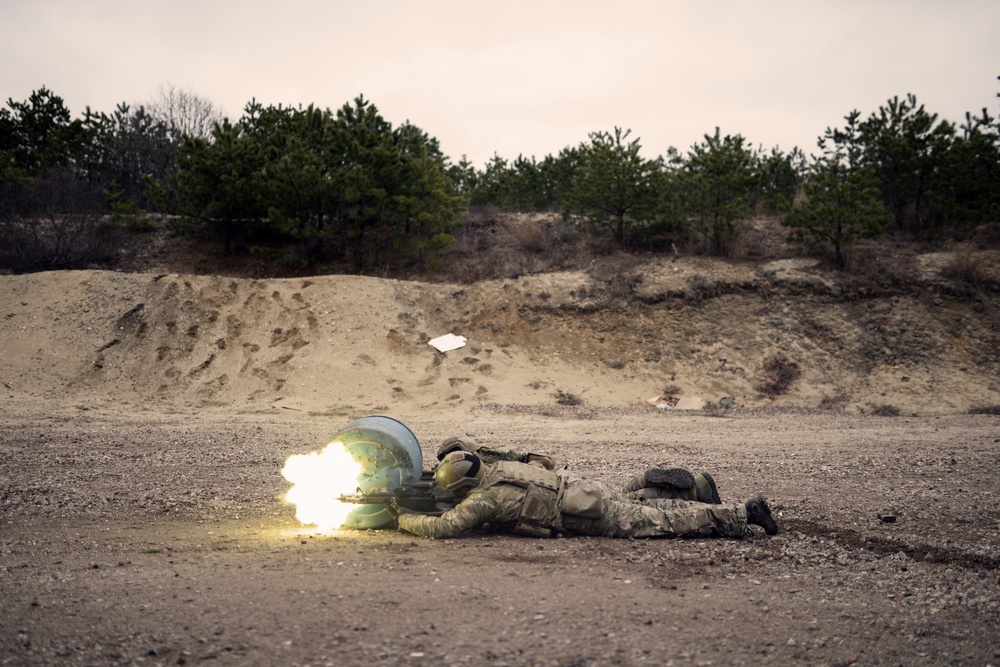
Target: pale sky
521, 77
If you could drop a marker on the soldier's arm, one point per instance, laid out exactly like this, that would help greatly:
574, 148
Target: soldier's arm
493, 454
544, 460
471, 513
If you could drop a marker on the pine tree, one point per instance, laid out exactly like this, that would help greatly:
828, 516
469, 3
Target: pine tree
842, 199
614, 188
720, 182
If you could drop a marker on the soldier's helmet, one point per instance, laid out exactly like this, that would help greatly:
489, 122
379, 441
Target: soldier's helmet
459, 472
456, 443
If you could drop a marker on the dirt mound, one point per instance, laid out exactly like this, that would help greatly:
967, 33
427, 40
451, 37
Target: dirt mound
782, 333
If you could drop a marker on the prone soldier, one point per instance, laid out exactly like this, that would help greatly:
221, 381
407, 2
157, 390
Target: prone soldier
652, 484
528, 499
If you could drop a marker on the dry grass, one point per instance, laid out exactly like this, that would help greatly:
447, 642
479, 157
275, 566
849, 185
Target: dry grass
887, 261
836, 402
614, 280
714, 408
967, 266
528, 235
987, 236
493, 245
698, 289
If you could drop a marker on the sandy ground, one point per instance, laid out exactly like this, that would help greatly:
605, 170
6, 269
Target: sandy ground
140, 540
147, 416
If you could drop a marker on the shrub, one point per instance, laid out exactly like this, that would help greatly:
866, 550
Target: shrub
834, 403
566, 398
713, 408
698, 288
56, 221
779, 374
671, 392
987, 236
126, 212
885, 410
528, 235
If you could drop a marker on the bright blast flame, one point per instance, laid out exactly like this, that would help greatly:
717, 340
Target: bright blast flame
317, 479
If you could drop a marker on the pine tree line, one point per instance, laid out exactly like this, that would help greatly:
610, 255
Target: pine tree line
346, 191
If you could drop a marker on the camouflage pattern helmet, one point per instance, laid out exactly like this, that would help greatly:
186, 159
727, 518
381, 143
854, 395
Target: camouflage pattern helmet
456, 443
459, 472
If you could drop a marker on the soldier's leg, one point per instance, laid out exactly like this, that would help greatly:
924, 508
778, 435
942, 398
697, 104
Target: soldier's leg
651, 493
756, 510
679, 518
670, 517
660, 518
662, 483
705, 489
673, 483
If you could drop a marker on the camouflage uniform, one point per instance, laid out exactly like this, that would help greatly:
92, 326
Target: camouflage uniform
525, 499
682, 486
494, 454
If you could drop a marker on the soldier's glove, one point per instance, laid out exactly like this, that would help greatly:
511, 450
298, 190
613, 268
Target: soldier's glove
455, 444
394, 511
547, 462
398, 509
390, 507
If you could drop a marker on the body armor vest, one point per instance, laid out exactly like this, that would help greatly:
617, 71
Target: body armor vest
539, 514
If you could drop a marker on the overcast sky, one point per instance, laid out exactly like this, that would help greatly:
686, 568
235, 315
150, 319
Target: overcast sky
521, 77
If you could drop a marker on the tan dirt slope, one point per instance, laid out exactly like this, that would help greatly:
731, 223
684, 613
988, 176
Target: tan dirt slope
346, 345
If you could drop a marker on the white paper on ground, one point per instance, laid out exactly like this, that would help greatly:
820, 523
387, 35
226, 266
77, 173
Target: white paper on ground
448, 342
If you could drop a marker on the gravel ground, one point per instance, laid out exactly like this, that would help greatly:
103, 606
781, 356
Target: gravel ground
136, 538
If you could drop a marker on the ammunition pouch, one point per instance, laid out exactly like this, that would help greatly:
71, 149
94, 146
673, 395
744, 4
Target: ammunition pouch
583, 498
539, 514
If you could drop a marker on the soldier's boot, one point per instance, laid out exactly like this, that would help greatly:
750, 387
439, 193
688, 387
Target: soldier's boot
662, 483
705, 489
759, 514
